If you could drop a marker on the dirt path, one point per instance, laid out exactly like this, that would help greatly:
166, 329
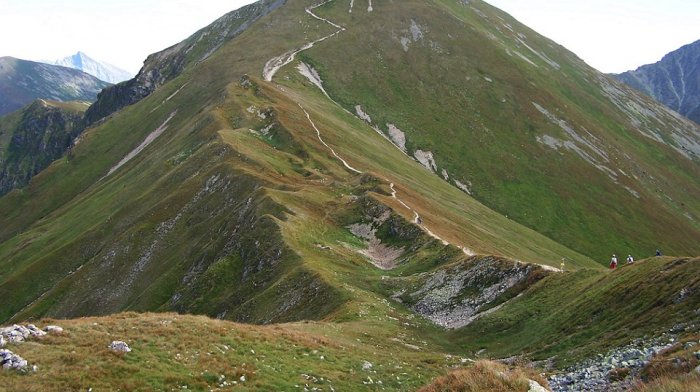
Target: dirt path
274, 64
318, 133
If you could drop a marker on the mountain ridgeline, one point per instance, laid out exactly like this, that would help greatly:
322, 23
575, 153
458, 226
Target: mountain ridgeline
673, 81
22, 82
405, 173
161, 67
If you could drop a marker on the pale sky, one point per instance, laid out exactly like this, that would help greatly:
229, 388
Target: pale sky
610, 35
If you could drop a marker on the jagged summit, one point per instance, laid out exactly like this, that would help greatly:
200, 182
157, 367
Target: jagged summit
673, 81
103, 71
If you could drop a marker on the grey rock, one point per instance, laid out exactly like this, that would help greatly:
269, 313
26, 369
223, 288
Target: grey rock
12, 361
53, 329
119, 346
673, 81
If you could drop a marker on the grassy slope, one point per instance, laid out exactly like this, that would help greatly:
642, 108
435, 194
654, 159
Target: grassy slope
438, 95
578, 314
67, 218
171, 351
71, 217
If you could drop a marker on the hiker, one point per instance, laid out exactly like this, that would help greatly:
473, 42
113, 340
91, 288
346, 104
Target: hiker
613, 262
563, 261
630, 259
658, 253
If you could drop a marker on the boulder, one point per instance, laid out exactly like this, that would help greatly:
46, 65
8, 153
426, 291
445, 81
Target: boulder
119, 346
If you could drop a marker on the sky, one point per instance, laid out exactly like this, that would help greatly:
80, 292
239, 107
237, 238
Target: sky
610, 35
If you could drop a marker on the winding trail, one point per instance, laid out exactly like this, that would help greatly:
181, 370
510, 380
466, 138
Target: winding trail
274, 64
318, 133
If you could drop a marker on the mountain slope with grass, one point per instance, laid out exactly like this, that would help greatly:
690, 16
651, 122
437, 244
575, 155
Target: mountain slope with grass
364, 204
35, 136
673, 81
22, 82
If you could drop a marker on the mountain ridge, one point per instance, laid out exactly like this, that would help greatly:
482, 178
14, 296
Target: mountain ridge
674, 80
22, 81
346, 185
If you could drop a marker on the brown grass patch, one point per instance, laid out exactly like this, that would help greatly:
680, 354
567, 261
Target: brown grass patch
485, 376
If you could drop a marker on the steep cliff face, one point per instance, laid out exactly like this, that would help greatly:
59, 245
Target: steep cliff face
22, 81
166, 65
674, 81
35, 136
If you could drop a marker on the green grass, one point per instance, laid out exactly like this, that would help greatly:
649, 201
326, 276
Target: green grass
577, 314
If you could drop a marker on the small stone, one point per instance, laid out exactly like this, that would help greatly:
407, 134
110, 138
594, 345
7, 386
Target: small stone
2, 341
53, 329
366, 365
242, 378
119, 346
697, 354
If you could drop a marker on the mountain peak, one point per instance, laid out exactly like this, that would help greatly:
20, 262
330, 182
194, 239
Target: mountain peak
101, 70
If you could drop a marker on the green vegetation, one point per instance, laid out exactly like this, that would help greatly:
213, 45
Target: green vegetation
241, 208
577, 314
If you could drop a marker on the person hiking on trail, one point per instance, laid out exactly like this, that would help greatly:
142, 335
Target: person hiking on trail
613, 262
630, 259
658, 253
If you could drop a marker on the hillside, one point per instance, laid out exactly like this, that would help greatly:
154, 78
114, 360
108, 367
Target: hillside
103, 71
35, 136
22, 82
673, 81
385, 350
410, 174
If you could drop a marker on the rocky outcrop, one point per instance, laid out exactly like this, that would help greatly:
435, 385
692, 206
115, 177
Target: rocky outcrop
18, 333
456, 296
42, 133
161, 67
614, 370
673, 81
12, 361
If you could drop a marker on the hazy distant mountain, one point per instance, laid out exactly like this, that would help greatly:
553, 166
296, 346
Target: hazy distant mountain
103, 71
22, 81
674, 81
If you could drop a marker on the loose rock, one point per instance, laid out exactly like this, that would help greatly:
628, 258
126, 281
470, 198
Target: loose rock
12, 361
18, 333
53, 329
119, 346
